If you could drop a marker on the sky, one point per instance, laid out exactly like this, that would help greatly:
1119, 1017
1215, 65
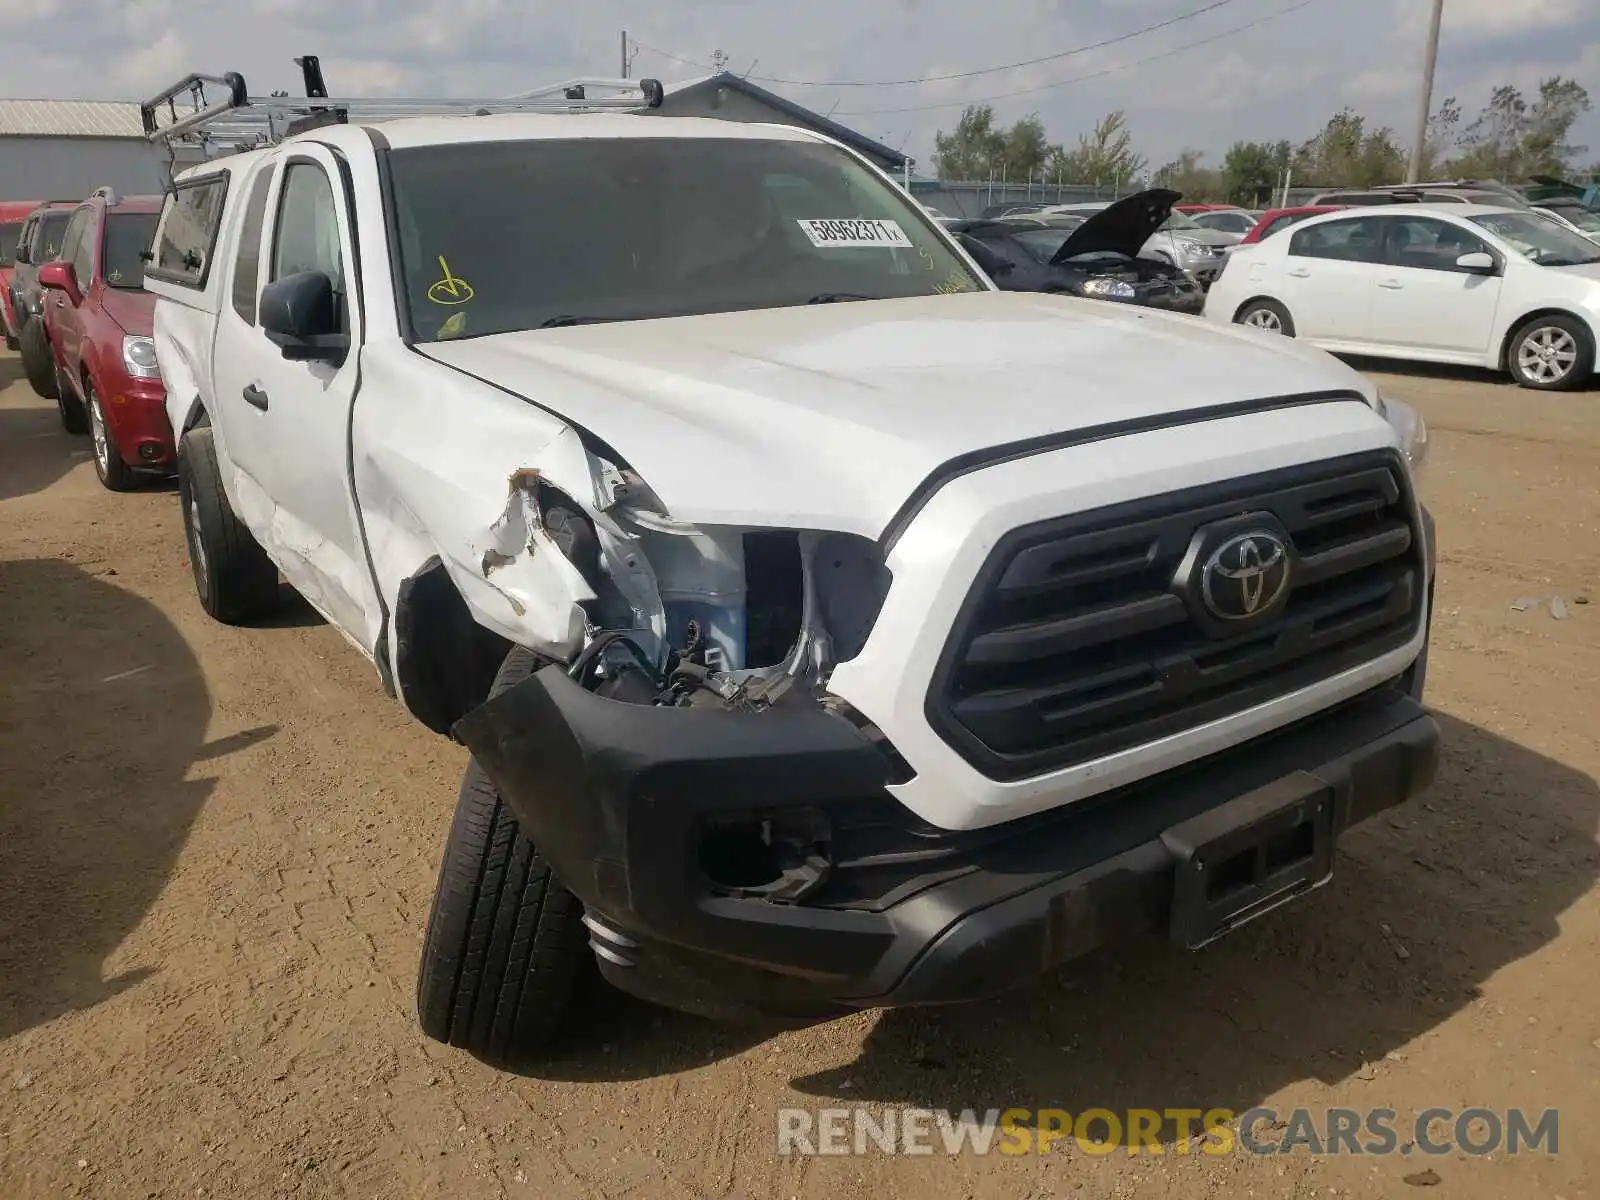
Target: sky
1193, 84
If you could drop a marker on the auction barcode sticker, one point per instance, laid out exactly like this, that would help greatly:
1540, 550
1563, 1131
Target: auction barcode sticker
850, 233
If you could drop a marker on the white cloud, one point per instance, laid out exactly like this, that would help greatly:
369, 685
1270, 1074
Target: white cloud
1282, 79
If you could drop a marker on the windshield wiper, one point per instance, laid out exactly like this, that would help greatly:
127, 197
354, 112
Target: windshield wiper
836, 297
562, 320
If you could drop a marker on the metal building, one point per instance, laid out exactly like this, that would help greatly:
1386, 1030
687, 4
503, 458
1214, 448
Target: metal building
64, 149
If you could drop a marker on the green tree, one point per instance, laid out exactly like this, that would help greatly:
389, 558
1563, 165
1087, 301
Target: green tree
973, 150
1103, 156
1440, 140
1251, 171
1026, 149
1512, 139
1348, 154
1185, 174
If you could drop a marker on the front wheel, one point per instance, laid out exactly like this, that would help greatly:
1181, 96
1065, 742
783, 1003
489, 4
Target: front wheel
1266, 315
233, 576
505, 946
115, 474
1552, 354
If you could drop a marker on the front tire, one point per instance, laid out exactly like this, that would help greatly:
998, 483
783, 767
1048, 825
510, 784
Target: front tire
1551, 354
37, 360
233, 576
1266, 315
505, 944
115, 474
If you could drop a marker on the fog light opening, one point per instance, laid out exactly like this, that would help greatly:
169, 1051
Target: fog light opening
781, 857
740, 856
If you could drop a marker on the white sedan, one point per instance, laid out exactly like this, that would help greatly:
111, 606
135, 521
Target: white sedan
1451, 283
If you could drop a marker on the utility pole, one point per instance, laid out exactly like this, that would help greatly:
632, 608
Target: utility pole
1425, 101
624, 53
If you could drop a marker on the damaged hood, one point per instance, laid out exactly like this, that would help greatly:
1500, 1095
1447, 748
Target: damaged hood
829, 416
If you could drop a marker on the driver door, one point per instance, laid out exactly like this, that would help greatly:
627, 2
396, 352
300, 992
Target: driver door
287, 421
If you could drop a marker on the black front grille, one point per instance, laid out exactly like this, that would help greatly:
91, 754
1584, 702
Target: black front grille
1080, 638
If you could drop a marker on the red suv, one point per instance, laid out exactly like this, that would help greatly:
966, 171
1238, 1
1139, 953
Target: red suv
99, 321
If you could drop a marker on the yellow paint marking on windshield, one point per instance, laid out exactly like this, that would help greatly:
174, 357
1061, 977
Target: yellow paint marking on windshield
454, 326
450, 289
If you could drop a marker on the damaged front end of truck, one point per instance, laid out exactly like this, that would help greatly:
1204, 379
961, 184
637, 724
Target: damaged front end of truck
686, 754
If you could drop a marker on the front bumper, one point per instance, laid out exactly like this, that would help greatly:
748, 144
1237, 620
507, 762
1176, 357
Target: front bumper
874, 907
136, 413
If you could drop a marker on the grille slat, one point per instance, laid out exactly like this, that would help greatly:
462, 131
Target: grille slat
1081, 636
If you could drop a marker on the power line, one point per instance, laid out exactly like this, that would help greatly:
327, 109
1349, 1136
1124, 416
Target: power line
1045, 87
1030, 62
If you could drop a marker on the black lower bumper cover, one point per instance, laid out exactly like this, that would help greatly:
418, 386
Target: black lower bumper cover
615, 797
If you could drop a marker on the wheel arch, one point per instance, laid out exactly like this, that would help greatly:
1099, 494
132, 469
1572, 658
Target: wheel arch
445, 662
1503, 358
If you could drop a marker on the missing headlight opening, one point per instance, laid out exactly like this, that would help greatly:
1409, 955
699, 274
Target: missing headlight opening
686, 614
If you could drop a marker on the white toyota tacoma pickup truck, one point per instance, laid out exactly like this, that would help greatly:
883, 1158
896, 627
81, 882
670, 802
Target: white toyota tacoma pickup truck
828, 628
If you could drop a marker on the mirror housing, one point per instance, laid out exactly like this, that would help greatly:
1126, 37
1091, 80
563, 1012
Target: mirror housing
988, 261
24, 255
300, 315
1478, 262
60, 276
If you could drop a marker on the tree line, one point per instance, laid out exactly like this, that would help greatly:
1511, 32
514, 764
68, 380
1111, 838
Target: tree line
1513, 138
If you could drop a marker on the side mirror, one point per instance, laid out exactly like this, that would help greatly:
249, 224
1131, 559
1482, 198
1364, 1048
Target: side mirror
300, 314
988, 261
22, 255
1478, 262
61, 277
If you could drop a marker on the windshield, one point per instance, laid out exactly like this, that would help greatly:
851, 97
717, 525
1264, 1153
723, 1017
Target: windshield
500, 236
8, 243
128, 235
1180, 220
1539, 239
1585, 220
47, 238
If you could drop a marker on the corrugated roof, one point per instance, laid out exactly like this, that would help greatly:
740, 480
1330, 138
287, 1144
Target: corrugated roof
70, 118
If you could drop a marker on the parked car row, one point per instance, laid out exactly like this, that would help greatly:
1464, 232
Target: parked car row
72, 289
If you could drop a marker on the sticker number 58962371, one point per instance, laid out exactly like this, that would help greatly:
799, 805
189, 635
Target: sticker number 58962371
853, 233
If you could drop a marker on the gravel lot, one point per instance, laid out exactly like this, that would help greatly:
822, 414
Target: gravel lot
217, 849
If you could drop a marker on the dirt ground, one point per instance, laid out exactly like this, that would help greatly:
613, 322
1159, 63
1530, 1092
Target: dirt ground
217, 849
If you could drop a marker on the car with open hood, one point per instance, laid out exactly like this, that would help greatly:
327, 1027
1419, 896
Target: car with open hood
1173, 236
1095, 256
829, 628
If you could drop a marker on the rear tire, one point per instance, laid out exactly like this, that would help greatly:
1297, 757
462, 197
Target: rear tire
73, 417
37, 360
1266, 315
233, 576
505, 946
1551, 354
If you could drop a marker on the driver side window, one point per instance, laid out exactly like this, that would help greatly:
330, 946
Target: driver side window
307, 237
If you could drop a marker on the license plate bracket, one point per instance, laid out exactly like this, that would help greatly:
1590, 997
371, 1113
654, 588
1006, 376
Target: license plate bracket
1242, 859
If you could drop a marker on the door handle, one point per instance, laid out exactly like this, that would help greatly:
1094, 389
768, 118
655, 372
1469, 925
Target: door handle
255, 397
1299, 273
1394, 285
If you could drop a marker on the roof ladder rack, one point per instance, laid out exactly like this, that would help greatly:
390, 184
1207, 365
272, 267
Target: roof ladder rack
217, 112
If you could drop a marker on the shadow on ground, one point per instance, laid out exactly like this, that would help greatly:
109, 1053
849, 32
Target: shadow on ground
34, 450
103, 711
1469, 877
